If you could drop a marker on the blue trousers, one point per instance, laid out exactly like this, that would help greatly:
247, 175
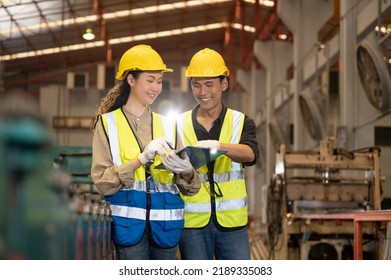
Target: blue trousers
145, 250
210, 243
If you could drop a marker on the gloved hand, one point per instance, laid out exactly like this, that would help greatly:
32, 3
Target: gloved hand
211, 144
189, 188
155, 146
177, 164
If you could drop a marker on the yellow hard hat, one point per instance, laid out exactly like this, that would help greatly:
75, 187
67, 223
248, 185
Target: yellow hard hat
140, 57
207, 63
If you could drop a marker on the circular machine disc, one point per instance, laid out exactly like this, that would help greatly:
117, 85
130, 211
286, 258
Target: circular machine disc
374, 74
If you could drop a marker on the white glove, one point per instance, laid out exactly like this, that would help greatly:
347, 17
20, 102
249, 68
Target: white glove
155, 146
211, 144
178, 164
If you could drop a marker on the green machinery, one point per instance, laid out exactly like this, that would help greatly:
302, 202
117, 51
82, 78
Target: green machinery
33, 212
90, 216
49, 208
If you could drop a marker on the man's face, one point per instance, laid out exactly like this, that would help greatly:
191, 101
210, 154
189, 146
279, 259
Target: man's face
208, 91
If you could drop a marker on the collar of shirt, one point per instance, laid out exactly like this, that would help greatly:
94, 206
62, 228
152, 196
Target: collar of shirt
141, 126
201, 132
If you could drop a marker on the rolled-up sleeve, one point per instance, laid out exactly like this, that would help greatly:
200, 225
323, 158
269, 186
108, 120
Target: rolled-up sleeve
249, 137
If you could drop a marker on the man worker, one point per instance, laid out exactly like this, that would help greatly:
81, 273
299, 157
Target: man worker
216, 217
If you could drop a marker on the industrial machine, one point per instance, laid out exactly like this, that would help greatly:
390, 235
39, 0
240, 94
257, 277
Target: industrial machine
33, 205
320, 184
49, 207
89, 230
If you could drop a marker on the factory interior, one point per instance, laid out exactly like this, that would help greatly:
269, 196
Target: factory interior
314, 75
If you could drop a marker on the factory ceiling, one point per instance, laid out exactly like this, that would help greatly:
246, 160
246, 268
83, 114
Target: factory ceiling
41, 40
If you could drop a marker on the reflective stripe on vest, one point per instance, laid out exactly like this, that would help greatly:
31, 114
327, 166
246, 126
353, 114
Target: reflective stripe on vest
224, 177
113, 138
237, 132
160, 187
220, 205
140, 213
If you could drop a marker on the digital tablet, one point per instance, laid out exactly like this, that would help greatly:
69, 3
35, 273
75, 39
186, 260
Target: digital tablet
198, 156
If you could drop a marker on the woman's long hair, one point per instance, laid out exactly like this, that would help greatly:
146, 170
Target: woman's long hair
117, 96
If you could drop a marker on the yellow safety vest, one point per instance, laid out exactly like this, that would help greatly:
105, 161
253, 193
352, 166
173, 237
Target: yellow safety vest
123, 143
134, 206
232, 207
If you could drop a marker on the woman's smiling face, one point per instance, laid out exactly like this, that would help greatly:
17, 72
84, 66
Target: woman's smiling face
147, 86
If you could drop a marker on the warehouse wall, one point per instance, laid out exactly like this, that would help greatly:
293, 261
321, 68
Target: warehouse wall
57, 101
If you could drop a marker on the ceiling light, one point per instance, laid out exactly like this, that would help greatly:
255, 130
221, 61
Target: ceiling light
283, 36
88, 35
